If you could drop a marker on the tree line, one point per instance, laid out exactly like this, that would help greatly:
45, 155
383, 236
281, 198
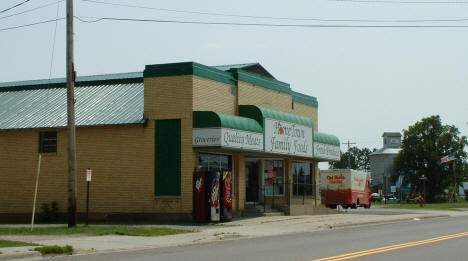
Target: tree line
423, 146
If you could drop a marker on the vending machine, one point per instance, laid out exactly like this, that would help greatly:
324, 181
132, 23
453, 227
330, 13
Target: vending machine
213, 179
199, 197
226, 196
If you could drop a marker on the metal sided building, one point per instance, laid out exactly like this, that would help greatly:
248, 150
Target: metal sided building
144, 135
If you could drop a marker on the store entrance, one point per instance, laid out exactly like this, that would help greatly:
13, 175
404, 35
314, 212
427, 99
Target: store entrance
252, 184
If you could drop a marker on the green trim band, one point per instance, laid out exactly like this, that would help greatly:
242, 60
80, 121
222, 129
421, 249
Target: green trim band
304, 99
259, 114
188, 68
210, 119
324, 138
262, 81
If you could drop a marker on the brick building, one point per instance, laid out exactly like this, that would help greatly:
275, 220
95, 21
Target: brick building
144, 134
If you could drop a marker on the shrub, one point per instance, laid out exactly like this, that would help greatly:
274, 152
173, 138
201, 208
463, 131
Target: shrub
55, 249
49, 212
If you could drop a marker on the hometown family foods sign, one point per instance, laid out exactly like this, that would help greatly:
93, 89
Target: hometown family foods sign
326, 151
288, 138
229, 138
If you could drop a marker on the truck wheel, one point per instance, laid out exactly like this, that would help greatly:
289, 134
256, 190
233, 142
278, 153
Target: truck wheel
345, 206
333, 206
353, 206
368, 205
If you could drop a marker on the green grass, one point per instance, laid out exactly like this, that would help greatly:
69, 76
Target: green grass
94, 231
50, 250
10, 243
433, 206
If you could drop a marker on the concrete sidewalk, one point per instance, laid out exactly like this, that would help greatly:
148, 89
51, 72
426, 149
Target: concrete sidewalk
239, 228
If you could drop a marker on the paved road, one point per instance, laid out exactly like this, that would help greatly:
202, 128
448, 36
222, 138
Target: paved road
321, 244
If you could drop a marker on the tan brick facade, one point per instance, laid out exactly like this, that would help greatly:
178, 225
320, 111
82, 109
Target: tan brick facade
114, 153
122, 157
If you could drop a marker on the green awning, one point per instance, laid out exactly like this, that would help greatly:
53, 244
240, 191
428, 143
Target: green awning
210, 119
326, 147
259, 113
326, 139
221, 131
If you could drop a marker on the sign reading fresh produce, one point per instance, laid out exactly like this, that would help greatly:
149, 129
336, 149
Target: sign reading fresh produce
326, 151
288, 138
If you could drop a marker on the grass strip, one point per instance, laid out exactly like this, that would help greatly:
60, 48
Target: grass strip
94, 230
432, 206
10, 243
53, 250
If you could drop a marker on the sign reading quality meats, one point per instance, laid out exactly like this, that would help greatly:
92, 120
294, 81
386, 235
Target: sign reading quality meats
227, 138
288, 138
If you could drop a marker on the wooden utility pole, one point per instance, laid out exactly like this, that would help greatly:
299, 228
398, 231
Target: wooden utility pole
72, 216
349, 153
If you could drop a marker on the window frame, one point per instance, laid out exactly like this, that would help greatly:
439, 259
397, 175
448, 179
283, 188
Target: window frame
298, 188
48, 142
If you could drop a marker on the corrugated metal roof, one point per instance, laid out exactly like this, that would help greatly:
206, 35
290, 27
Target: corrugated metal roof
96, 104
227, 67
386, 151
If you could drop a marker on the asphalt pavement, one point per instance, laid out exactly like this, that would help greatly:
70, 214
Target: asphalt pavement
254, 230
321, 244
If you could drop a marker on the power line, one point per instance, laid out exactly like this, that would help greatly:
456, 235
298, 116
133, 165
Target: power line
401, 2
9, 8
349, 154
53, 42
98, 19
32, 24
32, 9
279, 18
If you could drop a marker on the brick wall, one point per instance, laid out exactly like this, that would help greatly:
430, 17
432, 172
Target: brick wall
172, 98
210, 95
114, 153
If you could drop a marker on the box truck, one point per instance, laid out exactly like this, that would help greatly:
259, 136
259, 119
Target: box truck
346, 187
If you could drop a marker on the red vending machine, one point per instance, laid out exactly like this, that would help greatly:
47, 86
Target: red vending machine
213, 195
199, 197
226, 196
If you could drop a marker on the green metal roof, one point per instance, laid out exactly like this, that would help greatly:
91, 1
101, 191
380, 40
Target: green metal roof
100, 100
326, 139
210, 119
259, 113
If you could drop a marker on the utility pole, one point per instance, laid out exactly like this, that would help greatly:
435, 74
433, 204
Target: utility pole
72, 216
349, 153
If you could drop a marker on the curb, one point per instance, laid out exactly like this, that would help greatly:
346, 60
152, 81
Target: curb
387, 221
10, 256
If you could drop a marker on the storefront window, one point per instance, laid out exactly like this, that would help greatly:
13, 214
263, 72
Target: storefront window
273, 178
302, 179
216, 162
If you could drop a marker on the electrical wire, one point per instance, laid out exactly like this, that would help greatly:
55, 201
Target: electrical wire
32, 9
279, 18
5, 10
401, 2
32, 24
53, 42
98, 19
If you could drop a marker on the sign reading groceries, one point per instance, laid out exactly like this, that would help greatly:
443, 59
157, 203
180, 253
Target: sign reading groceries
239, 139
288, 138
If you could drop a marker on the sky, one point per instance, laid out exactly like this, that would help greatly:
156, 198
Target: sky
368, 80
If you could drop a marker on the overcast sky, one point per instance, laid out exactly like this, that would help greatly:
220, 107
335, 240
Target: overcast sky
368, 80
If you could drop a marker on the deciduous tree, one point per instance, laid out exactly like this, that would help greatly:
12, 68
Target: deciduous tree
359, 159
423, 146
